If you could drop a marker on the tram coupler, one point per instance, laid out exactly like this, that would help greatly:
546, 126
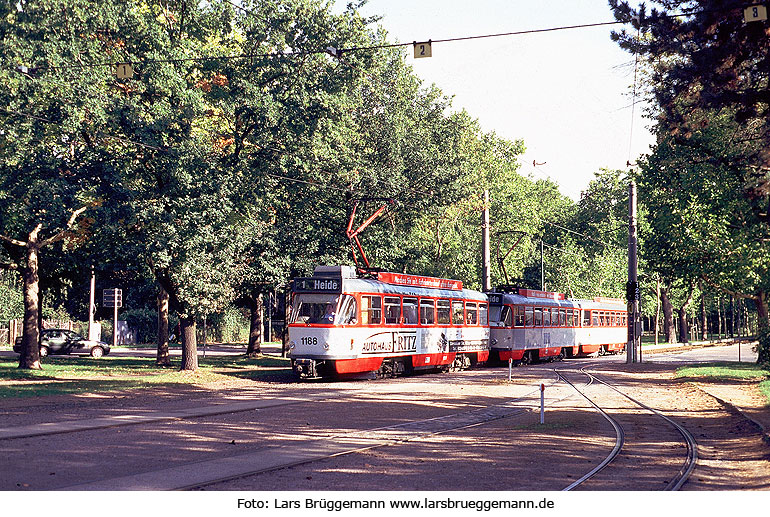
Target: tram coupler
304, 368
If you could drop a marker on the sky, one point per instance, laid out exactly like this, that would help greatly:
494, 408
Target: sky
566, 94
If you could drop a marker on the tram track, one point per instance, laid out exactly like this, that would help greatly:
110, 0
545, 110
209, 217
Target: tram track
674, 483
303, 447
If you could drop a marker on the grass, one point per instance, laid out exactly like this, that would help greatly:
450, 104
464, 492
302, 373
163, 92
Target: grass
729, 371
63, 375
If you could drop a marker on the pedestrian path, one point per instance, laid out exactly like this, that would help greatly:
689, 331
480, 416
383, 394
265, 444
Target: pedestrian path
68, 426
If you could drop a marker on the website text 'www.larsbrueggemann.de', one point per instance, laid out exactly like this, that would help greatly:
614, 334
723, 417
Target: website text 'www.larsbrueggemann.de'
338, 505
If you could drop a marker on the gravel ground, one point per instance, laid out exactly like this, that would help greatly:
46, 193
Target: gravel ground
513, 453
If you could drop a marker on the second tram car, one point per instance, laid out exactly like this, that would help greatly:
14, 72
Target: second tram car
389, 324
529, 325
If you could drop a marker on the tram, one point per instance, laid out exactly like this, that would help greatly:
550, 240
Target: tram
384, 324
527, 325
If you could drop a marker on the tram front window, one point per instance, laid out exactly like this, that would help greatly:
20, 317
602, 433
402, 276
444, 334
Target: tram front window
315, 308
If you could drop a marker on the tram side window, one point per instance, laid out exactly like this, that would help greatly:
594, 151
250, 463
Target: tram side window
562, 318
471, 314
457, 313
570, 319
555, 317
410, 311
483, 314
427, 312
586, 318
538, 317
528, 314
595, 318
371, 310
443, 312
392, 310
546, 317
577, 317
348, 311
624, 320
505, 316
520, 316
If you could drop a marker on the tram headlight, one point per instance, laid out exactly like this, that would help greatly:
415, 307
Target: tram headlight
493, 341
326, 346
292, 345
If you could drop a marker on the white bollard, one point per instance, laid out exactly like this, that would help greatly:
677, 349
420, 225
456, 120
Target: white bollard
510, 368
542, 403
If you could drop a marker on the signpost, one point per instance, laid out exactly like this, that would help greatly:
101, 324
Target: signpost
113, 298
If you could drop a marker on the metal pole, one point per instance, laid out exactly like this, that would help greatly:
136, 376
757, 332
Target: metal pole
115, 320
486, 278
542, 270
633, 302
92, 306
542, 403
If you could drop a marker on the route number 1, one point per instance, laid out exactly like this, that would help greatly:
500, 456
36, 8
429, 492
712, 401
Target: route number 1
755, 13
422, 49
124, 71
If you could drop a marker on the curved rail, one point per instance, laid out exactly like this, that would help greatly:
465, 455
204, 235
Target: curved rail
692, 451
692, 447
619, 436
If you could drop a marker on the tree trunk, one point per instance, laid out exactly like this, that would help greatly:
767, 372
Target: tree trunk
657, 310
763, 334
256, 310
683, 325
719, 318
703, 318
732, 317
30, 347
163, 358
189, 344
668, 316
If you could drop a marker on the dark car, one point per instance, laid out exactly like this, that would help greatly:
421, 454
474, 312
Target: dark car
63, 341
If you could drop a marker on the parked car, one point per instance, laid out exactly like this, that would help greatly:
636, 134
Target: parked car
63, 341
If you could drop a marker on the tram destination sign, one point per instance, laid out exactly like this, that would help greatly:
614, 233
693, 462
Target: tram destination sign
331, 285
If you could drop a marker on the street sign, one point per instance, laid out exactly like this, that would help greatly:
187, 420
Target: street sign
423, 49
112, 298
124, 71
755, 13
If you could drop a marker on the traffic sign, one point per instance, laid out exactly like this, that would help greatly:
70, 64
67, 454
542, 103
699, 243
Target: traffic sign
113, 298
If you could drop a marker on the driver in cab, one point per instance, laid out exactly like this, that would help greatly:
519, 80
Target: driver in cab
329, 314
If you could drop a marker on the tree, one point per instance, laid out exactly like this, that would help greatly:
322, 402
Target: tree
710, 79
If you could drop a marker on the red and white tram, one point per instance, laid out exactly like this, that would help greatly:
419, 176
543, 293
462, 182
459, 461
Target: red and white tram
342, 325
529, 325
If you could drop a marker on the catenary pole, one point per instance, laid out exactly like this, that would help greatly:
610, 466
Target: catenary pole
486, 278
632, 290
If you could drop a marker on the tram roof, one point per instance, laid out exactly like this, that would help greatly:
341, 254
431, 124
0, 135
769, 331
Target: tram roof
342, 279
600, 303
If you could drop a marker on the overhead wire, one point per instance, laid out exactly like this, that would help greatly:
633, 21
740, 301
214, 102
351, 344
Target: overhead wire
358, 48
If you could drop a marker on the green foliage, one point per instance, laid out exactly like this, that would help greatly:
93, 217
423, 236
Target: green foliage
11, 301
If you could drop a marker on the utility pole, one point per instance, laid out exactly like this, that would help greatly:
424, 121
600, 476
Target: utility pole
486, 278
632, 287
92, 308
542, 268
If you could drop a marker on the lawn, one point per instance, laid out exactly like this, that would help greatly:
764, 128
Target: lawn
729, 371
69, 374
